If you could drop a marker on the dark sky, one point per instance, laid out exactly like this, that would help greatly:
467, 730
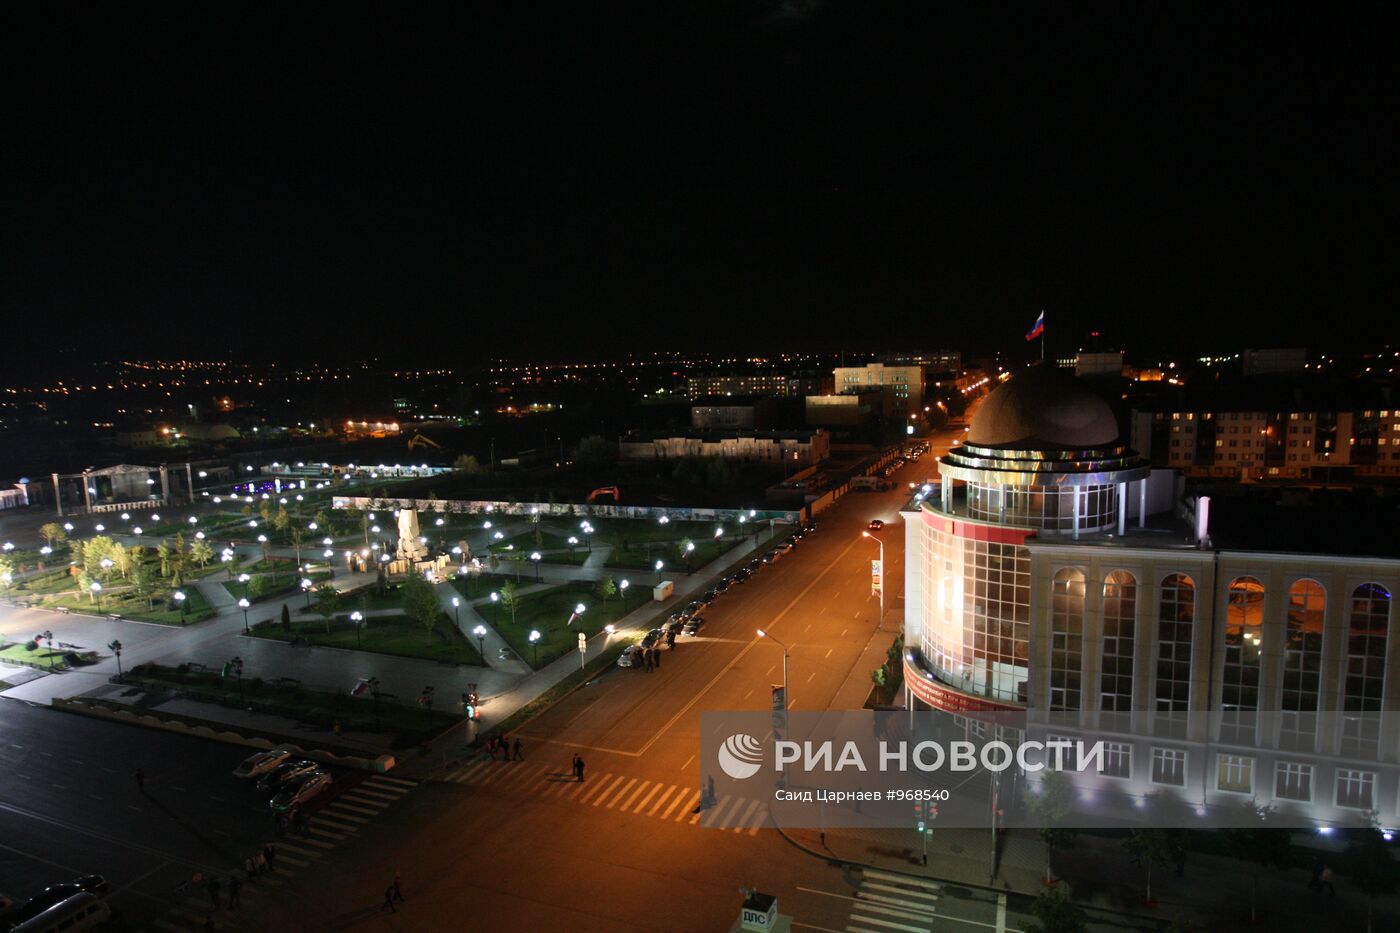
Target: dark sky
207, 179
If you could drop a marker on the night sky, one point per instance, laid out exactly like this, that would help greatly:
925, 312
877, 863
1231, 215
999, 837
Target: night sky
207, 180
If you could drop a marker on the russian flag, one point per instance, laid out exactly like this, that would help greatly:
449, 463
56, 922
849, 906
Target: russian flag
1038, 329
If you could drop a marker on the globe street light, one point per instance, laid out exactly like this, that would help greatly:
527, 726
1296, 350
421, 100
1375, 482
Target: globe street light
480, 633
535, 644
306, 585
357, 617
180, 601
456, 619
535, 556
573, 543
495, 601
236, 666
623, 586
578, 611
96, 589
244, 604
659, 565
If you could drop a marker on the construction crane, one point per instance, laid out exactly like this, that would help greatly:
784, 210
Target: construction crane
419, 440
606, 491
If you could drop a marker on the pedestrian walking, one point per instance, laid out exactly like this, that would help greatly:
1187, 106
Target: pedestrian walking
270, 854
398, 895
235, 888
656, 657
299, 821
491, 747
517, 756
141, 780
574, 767
213, 888
250, 865
646, 656
389, 900
1325, 881
504, 743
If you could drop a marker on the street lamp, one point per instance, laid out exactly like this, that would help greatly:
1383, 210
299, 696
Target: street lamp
480, 633
578, 611
180, 601
357, 617
623, 585
573, 543
244, 604
236, 665
535, 556
48, 640
495, 601
456, 619
96, 589
882, 572
742, 520
535, 644
306, 585
425, 700
689, 547
659, 565
116, 648
787, 700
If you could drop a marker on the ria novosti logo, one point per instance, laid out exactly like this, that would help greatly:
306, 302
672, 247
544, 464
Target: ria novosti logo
741, 756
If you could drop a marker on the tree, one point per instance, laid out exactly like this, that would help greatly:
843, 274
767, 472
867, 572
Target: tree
7, 570
1056, 913
420, 603
327, 603
53, 533
1369, 863
1051, 806
179, 543
247, 511
323, 521
298, 539
281, 521
510, 599
265, 511
286, 618
258, 586
467, 464
265, 546
1154, 847
594, 451
1260, 845
201, 553
163, 556
235, 564
94, 551
606, 588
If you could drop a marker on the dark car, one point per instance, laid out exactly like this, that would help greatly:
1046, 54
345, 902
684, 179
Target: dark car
651, 638
695, 607
56, 894
286, 771
709, 595
876, 524
742, 574
770, 556
298, 791
784, 547
808, 529
692, 626
756, 563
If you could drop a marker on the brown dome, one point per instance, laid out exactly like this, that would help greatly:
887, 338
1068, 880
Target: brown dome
1043, 408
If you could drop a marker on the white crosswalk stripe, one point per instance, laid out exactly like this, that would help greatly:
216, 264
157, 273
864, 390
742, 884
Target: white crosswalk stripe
889, 903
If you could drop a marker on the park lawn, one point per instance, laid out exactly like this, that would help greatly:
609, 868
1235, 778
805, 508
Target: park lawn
397, 635
399, 714
616, 531
638, 559
280, 585
56, 580
17, 653
130, 606
548, 611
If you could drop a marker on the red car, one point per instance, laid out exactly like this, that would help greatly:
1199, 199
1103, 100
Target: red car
876, 524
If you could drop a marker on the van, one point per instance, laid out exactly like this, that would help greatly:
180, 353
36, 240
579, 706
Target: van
80, 912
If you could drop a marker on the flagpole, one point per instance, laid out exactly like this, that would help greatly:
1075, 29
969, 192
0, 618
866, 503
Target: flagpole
1042, 337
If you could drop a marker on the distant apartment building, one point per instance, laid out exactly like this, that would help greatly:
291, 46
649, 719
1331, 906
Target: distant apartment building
901, 388
1271, 443
783, 385
806, 447
852, 410
1109, 363
740, 413
1275, 360
933, 361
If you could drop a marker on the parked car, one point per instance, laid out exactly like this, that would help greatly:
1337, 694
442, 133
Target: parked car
285, 772
259, 763
674, 624
53, 895
709, 596
742, 574
876, 524
770, 556
650, 639
756, 563
692, 626
629, 656
784, 547
73, 914
298, 791
696, 606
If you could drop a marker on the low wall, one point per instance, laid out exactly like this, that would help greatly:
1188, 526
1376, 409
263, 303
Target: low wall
565, 509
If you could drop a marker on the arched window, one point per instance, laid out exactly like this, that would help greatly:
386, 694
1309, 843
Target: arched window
1244, 627
1067, 639
1119, 620
1302, 649
1176, 613
1368, 629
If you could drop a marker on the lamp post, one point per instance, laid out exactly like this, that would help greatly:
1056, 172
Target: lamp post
116, 648
48, 640
373, 684
578, 611
623, 585
480, 633
236, 665
244, 604
882, 572
495, 601
742, 520
425, 699
356, 618
306, 588
180, 601
96, 589
535, 644
535, 556
456, 618
787, 700
689, 549
659, 565
573, 543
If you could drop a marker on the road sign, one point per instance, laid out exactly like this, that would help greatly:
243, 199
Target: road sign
876, 577
582, 643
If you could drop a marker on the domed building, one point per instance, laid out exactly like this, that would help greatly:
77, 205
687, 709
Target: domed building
1050, 572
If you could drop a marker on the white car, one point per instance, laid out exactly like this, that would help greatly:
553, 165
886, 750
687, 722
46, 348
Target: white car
299, 790
629, 656
259, 763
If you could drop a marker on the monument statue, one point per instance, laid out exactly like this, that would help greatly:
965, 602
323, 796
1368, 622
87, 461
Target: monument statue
411, 548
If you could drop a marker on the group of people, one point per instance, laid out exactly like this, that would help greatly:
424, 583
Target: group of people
510, 751
650, 659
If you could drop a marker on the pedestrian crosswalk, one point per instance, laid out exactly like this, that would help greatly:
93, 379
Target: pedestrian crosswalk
620, 793
339, 820
890, 903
